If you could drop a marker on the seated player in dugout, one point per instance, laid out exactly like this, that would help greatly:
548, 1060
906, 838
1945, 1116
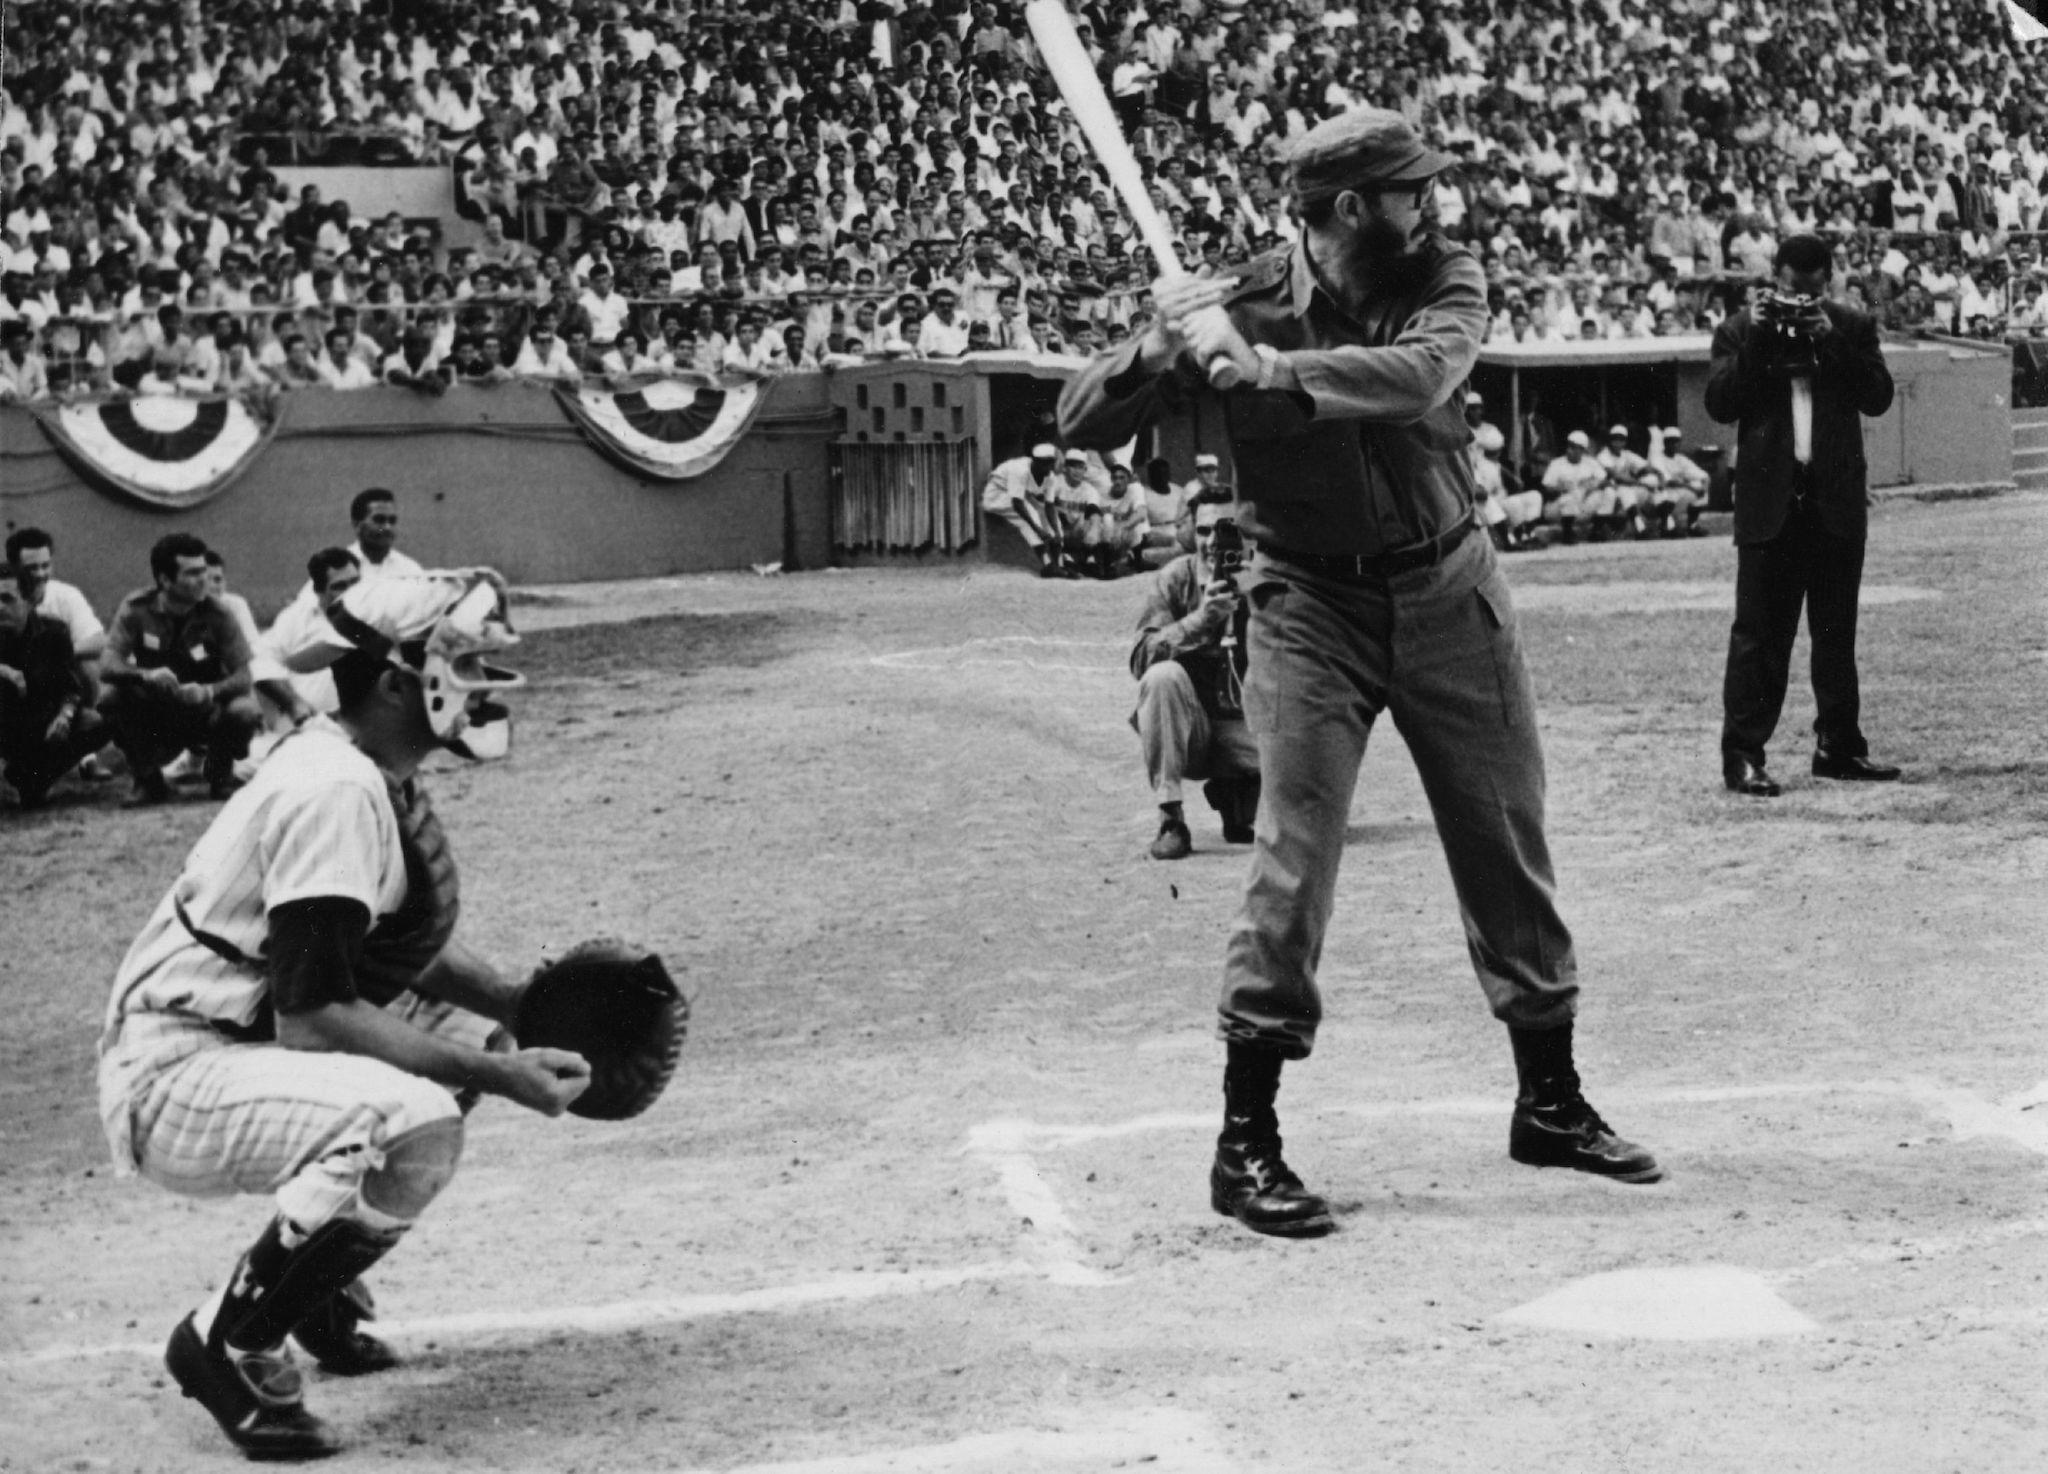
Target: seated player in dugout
1018, 491
1189, 661
297, 1017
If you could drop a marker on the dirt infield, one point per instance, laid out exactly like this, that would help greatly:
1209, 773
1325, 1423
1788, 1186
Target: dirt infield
930, 1193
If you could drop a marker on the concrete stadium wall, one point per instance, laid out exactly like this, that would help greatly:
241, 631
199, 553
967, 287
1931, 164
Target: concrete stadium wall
500, 476
375, 193
491, 476
1950, 423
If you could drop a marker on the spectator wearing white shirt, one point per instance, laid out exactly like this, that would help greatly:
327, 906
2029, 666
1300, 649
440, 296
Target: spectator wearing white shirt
607, 309
24, 377
943, 333
33, 552
545, 356
340, 366
752, 351
628, 360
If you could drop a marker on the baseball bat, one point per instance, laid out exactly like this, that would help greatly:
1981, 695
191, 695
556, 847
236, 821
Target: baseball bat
1073, 72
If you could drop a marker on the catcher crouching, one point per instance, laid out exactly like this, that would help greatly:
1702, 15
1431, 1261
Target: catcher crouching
298, 1019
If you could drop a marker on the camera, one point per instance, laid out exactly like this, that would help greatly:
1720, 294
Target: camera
1226, 549
1785, 338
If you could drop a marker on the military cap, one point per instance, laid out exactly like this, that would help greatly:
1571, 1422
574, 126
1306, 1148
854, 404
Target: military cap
1366, 146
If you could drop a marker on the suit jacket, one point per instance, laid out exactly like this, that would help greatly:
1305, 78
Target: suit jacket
1851, 381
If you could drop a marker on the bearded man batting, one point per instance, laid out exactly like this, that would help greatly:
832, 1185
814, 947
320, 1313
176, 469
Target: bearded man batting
1371, 592
297, 1019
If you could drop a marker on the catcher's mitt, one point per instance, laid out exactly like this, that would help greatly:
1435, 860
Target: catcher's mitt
615, 1005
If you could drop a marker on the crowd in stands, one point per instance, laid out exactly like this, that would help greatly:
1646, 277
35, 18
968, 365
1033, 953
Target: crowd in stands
724, 185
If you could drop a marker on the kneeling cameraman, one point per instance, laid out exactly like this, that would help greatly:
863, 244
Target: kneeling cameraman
1189, 661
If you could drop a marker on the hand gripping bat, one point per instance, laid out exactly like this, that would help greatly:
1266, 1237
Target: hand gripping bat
1074, 74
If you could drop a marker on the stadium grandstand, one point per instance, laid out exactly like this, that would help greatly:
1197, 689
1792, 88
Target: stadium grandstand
638, 189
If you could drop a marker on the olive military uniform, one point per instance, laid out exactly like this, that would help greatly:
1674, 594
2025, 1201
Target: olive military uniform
1372, 591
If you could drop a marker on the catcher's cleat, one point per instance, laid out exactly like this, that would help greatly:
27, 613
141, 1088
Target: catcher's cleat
330, 1334
1571, 1134
253, 1395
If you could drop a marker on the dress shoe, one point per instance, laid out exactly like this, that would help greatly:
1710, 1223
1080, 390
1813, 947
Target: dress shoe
1571, 1134
1173, 842
1253, 1184
1748, 778
1852, 769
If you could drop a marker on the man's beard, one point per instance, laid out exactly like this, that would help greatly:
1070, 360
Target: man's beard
1380, 254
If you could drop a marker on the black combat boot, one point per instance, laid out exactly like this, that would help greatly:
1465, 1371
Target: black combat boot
1250, 1182
1555, 1126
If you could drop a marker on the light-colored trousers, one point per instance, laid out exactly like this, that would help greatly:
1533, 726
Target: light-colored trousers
1180, 740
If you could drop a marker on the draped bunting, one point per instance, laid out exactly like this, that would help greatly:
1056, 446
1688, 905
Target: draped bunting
670, 429
160, 450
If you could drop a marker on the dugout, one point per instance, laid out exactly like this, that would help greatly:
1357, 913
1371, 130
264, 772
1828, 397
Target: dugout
1950, 423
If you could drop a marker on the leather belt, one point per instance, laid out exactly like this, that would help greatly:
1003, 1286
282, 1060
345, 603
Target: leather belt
1378, 565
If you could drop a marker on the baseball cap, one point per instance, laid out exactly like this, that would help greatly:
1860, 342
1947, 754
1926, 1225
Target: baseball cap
1475, 399
1206, 462
1671, 433
1617, 432
1365, 146
1076, 454
1579, 438
1045, 450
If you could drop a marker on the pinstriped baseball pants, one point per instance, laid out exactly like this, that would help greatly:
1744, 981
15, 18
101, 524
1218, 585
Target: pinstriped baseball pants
196, 1112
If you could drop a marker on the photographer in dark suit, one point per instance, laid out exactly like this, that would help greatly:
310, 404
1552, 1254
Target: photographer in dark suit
1795, 372
1189, 661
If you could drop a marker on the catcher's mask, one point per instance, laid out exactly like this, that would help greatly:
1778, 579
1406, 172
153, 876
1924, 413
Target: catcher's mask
439, 626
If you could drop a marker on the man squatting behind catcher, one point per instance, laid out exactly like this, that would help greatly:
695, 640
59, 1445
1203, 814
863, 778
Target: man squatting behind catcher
1352, 346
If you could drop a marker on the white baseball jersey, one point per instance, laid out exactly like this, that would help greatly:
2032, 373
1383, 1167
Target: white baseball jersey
293, 630
394, 565
315, 821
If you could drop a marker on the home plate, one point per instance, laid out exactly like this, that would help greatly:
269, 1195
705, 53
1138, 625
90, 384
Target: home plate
1707, 1302
1160, 1441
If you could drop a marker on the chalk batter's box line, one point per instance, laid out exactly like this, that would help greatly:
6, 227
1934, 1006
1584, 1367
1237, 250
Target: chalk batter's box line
1054, 1249
1011, 1148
